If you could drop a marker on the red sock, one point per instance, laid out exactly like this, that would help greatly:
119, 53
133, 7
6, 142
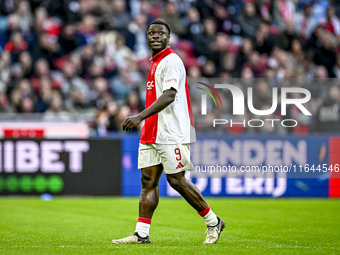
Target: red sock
209, 217
205, 211
143, 226
144, 220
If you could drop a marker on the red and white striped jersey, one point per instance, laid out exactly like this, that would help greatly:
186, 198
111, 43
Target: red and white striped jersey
174, 124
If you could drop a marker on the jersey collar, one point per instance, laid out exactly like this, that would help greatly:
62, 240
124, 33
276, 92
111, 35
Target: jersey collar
161, 54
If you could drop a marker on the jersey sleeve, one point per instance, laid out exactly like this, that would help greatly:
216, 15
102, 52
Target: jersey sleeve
173, 71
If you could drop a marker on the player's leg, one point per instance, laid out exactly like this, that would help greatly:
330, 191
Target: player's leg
176, 160
149, 198
148, 202
151, 171
187, 190
194, 197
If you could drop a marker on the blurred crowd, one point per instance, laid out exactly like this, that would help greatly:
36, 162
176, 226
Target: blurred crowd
89, 59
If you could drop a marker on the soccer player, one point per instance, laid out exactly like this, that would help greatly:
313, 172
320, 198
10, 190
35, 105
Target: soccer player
165, 138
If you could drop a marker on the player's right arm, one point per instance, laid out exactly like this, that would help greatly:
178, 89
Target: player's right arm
160, 104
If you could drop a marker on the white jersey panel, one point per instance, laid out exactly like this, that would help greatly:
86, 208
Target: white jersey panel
174, 121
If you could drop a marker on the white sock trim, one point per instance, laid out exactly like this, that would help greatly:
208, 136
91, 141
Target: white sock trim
142, 229
210, 218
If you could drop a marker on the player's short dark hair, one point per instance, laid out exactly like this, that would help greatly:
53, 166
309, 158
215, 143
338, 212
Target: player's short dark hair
159, 22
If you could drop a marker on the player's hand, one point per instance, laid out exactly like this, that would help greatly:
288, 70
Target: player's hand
131, 122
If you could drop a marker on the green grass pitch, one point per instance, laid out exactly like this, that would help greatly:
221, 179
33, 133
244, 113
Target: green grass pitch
87, 226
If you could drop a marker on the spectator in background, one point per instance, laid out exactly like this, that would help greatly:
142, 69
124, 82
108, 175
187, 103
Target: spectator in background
150, 10
138, 30
282, 65
120, 18
45, 94
325, 54
172, 17
25, 15
134, 102
102, 123
110, 67
257, 63
25, 60
205, 8
97, 94
248, 20
4, 102
262, 96
228, 66
203, 42
320, 73
96, 69
246, 73
65, 10
296, 57
48, 49
243, 56
122, 85
219, 49
192, 21
283, 12
69, 80
17, 75
5, 67
209, 69
76, 59
328, 116
89, 7
112, 109
285, 38
224, 23
23, 90
265, 8
87, 29
123, 112
304, 22
77, 101
336, 68
56, 111
51, 26
13, 25
234, 8
314, 40
194, 72
87, 57
67, 39
16, 45
331, 22
26, 105
41, 68
7, 7
123, 55
263, 40
40, 18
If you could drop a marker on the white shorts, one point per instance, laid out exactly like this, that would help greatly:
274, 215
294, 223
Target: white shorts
175, 158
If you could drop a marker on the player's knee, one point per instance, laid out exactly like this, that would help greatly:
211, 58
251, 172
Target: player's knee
148, 182
175, 181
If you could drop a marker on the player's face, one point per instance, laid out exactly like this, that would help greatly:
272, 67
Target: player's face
158, 37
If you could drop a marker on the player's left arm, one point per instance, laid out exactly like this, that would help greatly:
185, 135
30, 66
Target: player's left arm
160, 104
